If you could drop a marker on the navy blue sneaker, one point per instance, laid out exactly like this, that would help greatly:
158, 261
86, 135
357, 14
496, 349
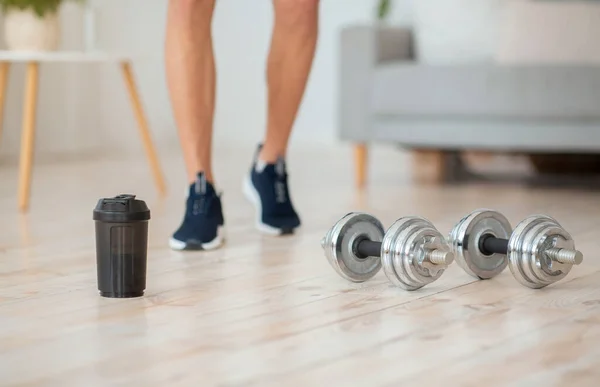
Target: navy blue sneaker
203, 221
266, 187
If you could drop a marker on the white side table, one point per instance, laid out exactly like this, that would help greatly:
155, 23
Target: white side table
33, 60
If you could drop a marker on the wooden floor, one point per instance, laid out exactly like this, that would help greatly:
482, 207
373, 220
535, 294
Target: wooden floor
266, 311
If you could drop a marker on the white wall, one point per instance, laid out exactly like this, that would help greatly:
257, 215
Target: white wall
84, 108
67, 119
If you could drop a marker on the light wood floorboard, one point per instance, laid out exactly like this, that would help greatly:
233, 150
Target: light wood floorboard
271, 311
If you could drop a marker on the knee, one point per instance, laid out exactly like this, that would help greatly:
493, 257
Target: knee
296, 9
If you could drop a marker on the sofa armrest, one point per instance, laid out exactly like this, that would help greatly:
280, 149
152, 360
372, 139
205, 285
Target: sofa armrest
362, 48
394, 44
379, 44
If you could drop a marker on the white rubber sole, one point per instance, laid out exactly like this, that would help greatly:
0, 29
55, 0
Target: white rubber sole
253, 197
212, 245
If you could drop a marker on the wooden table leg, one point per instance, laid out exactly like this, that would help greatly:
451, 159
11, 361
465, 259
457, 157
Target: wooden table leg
28, 135
4, 69
143, 127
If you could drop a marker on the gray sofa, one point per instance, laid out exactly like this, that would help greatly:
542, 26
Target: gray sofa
387, 96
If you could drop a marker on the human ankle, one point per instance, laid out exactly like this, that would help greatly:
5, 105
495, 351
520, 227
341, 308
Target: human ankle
208, 177
271, 155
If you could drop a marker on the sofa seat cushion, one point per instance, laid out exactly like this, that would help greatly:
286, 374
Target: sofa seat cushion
536, 92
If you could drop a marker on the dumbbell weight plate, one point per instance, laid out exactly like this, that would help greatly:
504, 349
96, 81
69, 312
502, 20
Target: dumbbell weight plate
527, 262
464, 239
403, 252
340, 242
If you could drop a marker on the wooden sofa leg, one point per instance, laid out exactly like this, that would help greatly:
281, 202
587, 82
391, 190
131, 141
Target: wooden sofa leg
429, 165
440, 166
360, 164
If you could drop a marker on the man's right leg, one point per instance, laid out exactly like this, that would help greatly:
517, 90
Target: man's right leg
191, 78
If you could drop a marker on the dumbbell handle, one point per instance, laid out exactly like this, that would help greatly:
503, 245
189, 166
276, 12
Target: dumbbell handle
489, 244
366, 248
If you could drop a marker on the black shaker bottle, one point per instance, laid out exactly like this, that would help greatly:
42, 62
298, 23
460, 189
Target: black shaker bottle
121, 246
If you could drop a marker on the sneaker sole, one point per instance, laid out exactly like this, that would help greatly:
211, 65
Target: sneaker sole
253, 197
219, 240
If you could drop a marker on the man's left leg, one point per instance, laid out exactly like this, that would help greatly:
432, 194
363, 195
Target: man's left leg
291, 55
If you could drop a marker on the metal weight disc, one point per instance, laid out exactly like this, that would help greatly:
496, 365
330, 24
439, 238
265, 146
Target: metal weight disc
527, 261
404, 250
339, 246
464, 240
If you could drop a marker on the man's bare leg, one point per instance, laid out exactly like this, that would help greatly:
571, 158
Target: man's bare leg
290, 60
191, 76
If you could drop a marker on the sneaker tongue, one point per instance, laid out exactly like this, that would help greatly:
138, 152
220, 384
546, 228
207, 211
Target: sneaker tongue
201, 184
280, 166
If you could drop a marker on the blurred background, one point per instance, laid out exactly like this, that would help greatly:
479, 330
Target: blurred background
83, 108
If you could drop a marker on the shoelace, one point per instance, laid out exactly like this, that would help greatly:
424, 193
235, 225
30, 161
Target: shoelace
200, 205
281, 189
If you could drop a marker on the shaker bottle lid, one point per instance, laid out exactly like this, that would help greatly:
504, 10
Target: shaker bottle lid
121, 208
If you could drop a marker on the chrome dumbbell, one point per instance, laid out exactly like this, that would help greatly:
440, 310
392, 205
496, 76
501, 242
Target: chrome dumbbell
413, 253
539, 251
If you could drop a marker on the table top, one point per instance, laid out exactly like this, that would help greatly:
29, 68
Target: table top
66, 56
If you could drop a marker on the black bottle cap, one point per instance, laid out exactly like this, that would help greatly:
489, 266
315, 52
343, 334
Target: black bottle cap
121, 208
